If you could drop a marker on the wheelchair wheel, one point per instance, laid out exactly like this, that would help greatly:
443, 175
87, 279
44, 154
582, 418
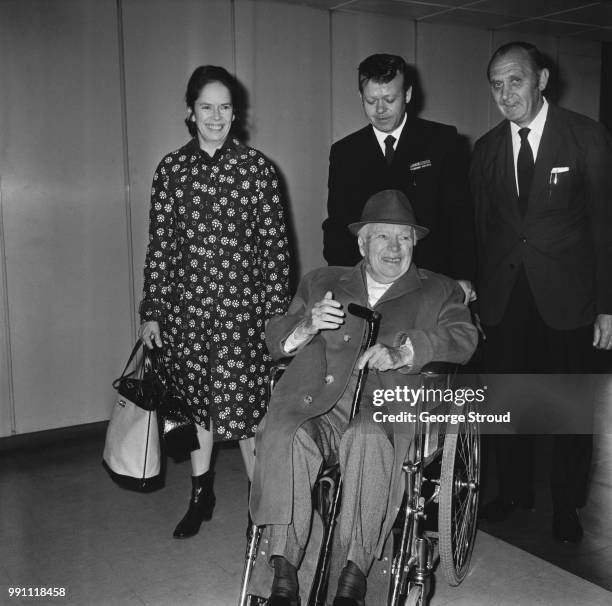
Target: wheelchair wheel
458, 500
415, 596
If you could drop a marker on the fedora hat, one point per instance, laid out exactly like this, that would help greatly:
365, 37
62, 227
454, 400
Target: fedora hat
389, 206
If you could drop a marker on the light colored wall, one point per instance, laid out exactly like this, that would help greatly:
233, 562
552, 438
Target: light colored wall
288, 78
79, 143
63, 212
6, 396
580, 65
452, 76
354, 37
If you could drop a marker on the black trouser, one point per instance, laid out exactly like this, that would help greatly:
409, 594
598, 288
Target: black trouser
523, 343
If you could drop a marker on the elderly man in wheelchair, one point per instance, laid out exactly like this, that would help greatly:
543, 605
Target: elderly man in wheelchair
308, 424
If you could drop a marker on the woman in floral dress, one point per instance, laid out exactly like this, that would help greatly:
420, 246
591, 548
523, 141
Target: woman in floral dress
216, 269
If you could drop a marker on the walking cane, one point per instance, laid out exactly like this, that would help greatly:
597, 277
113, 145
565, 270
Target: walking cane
317, 593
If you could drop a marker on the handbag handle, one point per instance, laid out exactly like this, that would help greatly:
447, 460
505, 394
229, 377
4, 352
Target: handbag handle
150, 361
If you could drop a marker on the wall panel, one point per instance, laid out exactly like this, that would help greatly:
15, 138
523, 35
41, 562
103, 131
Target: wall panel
580, 64
63, 206
6, 402
451, 62
355, 37
282, 56
164, 42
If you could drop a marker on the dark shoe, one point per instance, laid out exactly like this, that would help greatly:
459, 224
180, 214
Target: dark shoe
201, 506
497, 510
285, 585
351, 586
567, 528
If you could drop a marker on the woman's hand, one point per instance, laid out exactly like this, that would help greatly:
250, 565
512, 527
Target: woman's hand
150, 334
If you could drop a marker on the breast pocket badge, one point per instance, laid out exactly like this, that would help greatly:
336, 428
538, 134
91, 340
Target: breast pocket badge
420, 165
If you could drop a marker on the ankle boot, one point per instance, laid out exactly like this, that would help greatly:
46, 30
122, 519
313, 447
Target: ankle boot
201, 506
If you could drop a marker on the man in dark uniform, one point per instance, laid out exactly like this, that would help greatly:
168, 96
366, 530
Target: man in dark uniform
399, 151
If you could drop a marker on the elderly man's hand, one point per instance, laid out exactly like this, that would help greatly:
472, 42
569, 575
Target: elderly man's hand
382, 357
602, 333
326, 314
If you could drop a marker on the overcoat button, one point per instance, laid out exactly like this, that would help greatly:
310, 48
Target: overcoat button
329, 379
347, 338
307, 399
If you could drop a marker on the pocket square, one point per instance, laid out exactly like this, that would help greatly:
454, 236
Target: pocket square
555, 172
421, 164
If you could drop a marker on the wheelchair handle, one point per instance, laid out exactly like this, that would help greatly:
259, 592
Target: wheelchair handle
363, 312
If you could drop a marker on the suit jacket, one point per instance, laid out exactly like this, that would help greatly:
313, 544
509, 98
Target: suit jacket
564, 241
430, 169
425, 306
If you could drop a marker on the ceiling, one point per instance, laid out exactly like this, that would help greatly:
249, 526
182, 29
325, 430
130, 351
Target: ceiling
578, 18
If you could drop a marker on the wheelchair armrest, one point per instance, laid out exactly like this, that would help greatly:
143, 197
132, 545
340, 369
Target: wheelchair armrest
279, 366
436, 369
276, 372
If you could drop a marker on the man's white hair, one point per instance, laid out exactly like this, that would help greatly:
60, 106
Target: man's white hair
364, 231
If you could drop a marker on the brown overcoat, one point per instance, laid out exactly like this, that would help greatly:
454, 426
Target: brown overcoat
421, 304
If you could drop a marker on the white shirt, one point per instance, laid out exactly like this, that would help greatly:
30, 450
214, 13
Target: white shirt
381, 136
534, 137
375, 290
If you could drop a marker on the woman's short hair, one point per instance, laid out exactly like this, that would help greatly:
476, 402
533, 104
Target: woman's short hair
206, 74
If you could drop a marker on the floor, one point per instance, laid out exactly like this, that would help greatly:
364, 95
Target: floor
64, 524
530, 530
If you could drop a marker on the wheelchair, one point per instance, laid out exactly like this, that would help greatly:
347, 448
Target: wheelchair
436, 525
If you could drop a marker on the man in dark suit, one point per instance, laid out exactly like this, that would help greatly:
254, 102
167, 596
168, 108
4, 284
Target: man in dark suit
399, 151
542, 185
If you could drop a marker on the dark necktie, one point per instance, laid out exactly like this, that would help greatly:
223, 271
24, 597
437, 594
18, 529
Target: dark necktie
389, 151
524, 169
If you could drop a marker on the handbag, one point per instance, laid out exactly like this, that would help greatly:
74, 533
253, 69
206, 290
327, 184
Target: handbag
177, 427
132, 453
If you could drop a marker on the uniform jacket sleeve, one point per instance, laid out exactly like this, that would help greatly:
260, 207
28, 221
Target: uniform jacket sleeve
458, 210
338, 242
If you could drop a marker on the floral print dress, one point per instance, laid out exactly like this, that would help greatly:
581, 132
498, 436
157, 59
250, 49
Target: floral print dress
217, 267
